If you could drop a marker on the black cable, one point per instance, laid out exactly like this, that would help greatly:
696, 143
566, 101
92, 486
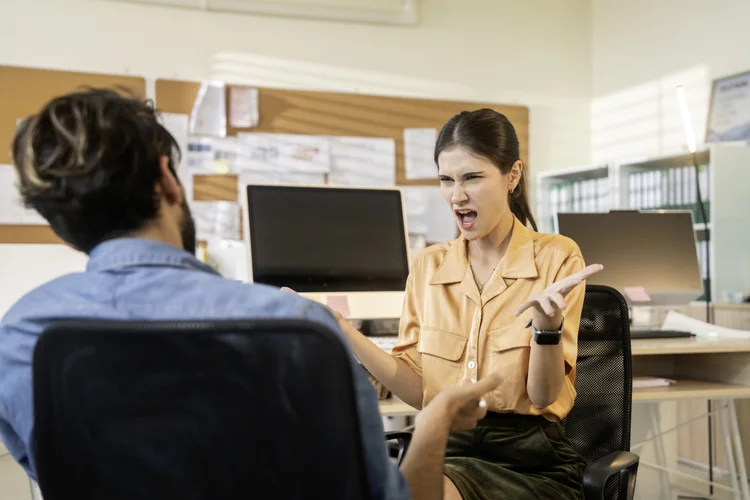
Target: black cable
707, 296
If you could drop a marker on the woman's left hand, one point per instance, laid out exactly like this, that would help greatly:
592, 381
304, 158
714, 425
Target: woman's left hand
549, 305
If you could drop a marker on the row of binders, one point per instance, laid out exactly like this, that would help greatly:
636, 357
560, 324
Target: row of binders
669, 188
590, 195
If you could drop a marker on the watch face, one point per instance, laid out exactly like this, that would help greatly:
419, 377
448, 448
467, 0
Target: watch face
548, 338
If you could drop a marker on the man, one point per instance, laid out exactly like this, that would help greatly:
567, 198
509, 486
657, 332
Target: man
101, 169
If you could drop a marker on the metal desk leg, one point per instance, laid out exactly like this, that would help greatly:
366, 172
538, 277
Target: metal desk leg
738, 450
723, 409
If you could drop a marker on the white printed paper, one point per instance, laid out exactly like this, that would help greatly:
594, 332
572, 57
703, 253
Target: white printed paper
243, 107
362, 161
177, 124
419, 150
285, 152
209, 116
441, 221
415, 208
428, 213
680, 322
12, 210
216, 220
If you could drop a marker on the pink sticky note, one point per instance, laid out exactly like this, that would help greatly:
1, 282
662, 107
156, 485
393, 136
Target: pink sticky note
637, 294
339, 303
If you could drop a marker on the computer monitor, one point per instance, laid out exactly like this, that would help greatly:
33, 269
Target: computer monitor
343, 246
653, 251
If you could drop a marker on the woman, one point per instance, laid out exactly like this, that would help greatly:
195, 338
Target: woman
500, 298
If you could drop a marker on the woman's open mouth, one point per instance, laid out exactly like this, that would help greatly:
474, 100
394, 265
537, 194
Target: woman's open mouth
466, 218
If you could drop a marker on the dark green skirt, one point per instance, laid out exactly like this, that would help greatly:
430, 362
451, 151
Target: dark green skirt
514, 457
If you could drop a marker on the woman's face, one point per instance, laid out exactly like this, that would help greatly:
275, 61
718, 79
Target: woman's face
476, 190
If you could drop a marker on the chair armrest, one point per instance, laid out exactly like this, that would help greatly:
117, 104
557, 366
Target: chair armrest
403, 440
597, 473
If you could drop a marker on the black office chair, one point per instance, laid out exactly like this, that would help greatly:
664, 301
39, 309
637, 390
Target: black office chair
222, 410
598, 426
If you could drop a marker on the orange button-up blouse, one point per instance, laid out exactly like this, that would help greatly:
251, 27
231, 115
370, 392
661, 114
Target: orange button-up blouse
449, 332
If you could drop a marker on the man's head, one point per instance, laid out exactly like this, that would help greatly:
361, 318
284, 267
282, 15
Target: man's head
98, 165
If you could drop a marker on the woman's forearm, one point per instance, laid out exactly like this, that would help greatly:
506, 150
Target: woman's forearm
394, 373
546, 374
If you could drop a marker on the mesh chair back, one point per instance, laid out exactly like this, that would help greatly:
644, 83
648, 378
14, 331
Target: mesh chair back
201, 410
599, 423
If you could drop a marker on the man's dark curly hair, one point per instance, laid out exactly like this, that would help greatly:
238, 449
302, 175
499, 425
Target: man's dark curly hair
88, 162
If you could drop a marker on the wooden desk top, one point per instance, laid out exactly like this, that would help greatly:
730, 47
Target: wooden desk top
691, 389
692, 345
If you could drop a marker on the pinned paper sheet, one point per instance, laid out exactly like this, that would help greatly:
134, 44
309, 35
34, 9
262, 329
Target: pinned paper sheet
12, 209
362, 161
243, 107
284, 153
216, 220
636, 294
177, 124
419, 150
339, 303
428, 213
209, 115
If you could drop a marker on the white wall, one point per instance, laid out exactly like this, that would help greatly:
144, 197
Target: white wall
24, 267
533, 52
641, 50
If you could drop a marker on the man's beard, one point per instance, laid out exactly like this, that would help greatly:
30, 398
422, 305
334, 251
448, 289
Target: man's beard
187, 229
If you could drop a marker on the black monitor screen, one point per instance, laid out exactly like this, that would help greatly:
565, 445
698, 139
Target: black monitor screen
323, 239
653, 250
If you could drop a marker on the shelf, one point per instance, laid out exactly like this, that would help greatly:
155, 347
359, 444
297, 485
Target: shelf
683, 389
684, 160
690, 345
700, 227
574, 174
692, 389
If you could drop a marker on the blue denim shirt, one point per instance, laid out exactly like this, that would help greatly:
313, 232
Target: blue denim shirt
133, 278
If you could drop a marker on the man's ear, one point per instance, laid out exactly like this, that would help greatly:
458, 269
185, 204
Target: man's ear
168, 183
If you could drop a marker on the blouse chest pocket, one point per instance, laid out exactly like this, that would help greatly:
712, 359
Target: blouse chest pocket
511, 347
441, 352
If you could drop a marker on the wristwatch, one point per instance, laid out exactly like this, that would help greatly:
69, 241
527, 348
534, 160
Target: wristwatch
546, 337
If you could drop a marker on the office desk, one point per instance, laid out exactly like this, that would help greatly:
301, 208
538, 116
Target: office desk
710, 369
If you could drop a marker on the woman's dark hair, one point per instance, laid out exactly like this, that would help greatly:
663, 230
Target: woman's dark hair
489, 134
88, 162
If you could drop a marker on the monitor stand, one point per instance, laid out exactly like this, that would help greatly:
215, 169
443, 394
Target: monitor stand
362, 305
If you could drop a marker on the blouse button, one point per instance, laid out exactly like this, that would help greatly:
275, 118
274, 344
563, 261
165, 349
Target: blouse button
472, 364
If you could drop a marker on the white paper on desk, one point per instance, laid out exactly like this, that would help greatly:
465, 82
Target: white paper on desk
243, 107
177, 124
680, 322
419, 150
216, 220
362, 161
651, 382
12, 209
209, 115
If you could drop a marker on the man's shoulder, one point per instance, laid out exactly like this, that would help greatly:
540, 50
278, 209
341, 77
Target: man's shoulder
44, 297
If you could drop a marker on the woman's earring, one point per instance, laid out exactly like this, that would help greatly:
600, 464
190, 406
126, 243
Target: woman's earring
511, 190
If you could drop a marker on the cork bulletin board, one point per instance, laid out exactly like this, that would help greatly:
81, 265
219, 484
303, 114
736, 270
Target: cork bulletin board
25, 90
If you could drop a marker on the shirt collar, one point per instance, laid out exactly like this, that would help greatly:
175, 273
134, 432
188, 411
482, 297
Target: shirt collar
517, 263
128, 252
